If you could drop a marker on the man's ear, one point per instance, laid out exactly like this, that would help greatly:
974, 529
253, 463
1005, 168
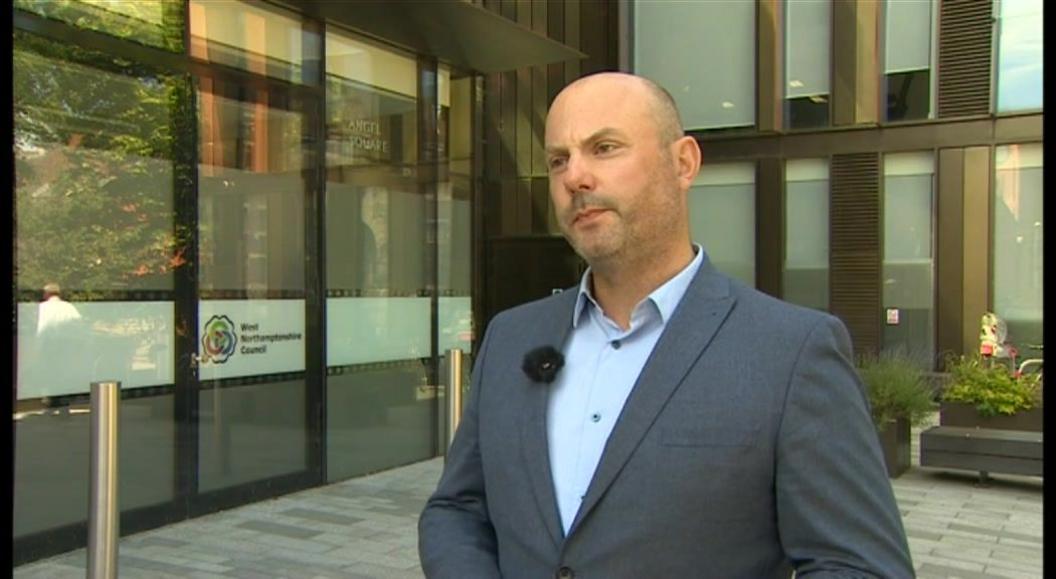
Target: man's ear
688, 156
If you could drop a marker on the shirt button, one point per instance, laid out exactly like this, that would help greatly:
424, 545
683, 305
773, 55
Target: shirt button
616, 344
595, 417
565, 573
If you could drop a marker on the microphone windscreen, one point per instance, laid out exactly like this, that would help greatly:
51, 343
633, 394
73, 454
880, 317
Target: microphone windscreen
542, 364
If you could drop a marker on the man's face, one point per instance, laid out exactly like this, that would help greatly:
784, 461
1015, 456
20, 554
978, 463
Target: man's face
613, 183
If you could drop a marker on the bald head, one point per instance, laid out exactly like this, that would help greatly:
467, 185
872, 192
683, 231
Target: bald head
660, 103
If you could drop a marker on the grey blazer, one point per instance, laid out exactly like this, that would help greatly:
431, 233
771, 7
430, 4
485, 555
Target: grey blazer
745, 449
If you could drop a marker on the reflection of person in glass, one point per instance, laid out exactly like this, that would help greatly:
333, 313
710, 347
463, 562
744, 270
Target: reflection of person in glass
54, 312
368, 254
58, 344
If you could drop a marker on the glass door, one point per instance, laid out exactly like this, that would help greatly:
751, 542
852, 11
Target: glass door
253, 403
379, 354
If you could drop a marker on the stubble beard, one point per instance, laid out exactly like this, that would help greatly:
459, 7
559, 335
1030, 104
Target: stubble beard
601, 243
634, 237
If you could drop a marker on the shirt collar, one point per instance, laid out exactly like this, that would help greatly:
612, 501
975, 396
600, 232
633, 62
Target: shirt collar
665, 297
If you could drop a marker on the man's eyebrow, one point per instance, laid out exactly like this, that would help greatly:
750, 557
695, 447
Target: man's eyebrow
598, 135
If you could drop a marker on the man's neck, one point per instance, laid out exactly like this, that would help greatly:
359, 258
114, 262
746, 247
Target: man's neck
618, 288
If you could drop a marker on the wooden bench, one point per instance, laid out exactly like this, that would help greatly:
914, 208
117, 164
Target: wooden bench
985, 450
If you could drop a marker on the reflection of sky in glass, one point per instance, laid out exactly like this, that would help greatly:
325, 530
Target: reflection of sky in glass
1019, 77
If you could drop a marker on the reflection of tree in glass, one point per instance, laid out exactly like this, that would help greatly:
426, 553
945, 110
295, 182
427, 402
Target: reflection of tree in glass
93, 171
154, 22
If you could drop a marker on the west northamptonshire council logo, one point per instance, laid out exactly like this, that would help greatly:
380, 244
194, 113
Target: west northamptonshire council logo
218, 339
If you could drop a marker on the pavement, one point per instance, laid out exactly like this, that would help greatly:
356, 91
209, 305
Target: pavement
367, 528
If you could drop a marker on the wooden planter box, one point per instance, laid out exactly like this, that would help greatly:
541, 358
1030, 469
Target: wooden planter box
895, 443
965, 415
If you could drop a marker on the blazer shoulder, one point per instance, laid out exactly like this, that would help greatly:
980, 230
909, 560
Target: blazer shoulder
757, 303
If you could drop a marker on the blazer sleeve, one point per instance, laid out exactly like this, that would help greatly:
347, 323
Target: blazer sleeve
836, 511
455, 537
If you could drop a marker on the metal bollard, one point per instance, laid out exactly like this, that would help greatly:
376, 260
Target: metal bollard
104, 520
454, 392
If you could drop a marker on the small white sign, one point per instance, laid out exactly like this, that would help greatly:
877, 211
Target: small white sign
249, 337
892, 316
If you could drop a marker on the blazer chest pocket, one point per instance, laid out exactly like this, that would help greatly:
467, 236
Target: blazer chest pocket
708, 436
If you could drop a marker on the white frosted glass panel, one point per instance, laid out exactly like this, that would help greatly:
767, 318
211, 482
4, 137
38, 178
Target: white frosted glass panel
909, 164
703, 53
249, 238
808, 30
908, 230
722, 218
248, 36
453, 241
806, 272
376, 329
62, 349
907, 35
726, 174
908, 264
1020, 56
1019, 237
249, 337
365, 63
807, 227
455, 319
806, 170
907, 217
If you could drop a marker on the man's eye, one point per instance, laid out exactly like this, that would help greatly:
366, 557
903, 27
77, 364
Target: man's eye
556, 162
605, 147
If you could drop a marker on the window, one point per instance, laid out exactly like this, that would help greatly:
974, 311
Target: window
1018, 241
722, 217
96, 251
156, 23
806, 275
1019, 54
808, 41
378, 311
908, 263
908, 58
703, 53
243, 35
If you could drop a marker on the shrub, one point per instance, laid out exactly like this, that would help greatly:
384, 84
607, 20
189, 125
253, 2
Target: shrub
897, 389
990, 386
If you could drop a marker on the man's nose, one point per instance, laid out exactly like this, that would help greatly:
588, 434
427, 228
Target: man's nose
579, 175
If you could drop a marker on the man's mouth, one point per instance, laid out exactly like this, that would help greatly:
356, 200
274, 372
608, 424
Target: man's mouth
587, 215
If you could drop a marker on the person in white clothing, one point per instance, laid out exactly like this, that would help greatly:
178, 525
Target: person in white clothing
54, 312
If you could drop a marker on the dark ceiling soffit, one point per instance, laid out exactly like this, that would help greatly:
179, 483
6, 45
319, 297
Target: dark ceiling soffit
460, 33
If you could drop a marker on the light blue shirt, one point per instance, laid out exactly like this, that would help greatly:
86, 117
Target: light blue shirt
602, 363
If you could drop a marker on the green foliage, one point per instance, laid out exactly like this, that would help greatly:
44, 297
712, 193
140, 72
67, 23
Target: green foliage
896, 387
153, 22
94, 175
990, 386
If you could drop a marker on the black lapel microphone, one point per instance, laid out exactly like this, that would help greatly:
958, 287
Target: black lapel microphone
542, 364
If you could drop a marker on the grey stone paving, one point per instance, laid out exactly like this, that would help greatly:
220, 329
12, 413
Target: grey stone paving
367, 528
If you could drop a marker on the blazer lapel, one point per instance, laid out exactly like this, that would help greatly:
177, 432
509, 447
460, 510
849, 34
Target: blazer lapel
552, 330
697, 318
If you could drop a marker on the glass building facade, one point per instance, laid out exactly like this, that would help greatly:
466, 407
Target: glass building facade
890, 172
259, 221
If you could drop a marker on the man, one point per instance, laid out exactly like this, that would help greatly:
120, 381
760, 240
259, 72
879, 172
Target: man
53, 312
684, 425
